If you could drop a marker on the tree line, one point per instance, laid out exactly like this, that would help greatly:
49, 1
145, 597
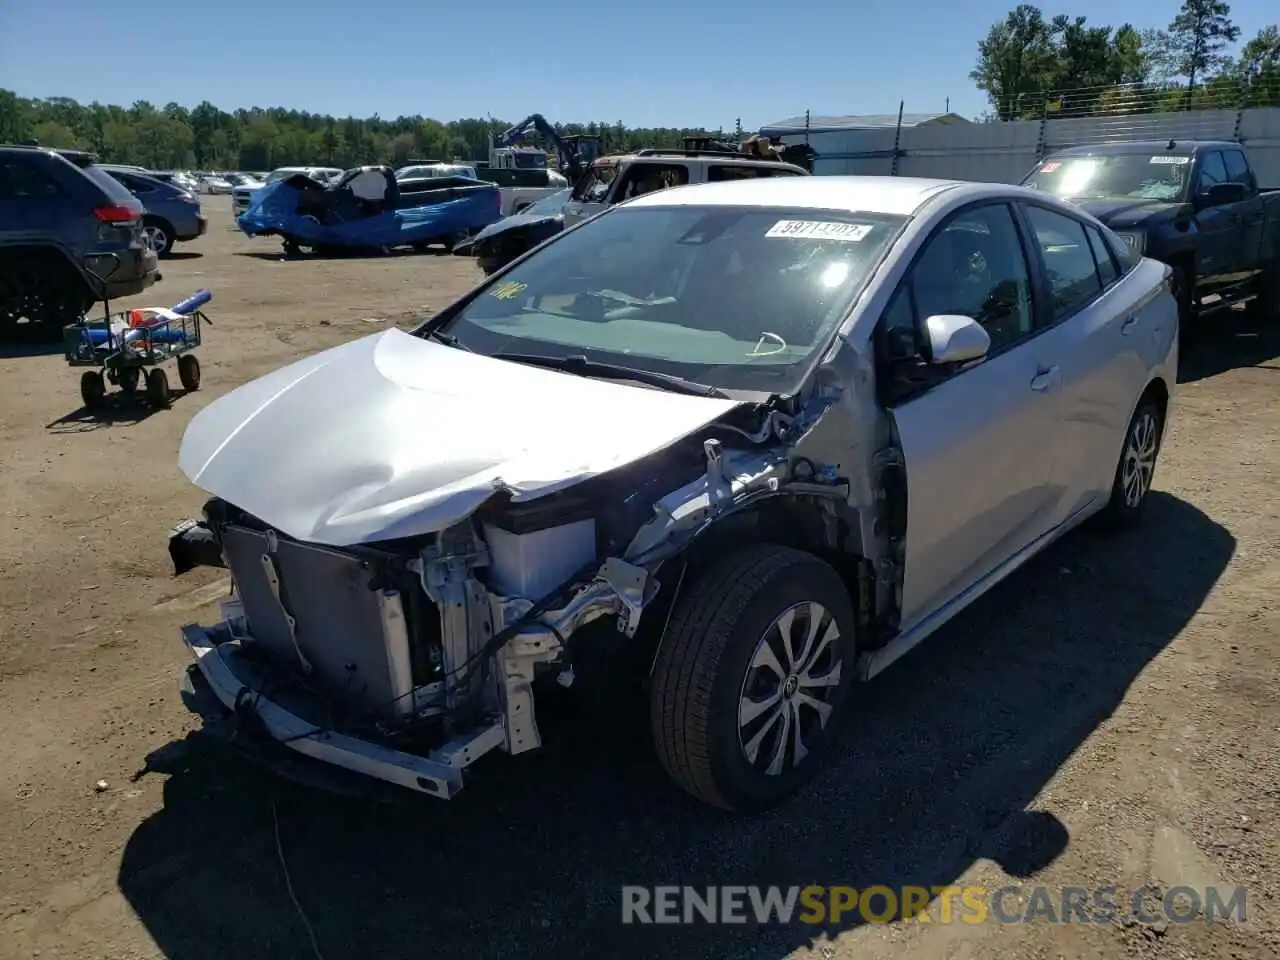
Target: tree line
208, 138
1031, 66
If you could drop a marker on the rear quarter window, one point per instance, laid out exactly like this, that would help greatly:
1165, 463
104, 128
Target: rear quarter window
25, 181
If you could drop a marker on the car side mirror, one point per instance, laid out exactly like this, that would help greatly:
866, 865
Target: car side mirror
1222, 194
953, 338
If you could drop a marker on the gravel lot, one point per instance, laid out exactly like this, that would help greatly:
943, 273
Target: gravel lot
1109, 716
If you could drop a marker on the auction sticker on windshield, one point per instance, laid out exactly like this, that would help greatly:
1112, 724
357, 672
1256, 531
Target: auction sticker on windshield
819, 230
1176, 161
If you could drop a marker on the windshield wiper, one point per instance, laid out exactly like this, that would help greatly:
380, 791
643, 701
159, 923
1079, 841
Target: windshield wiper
578, 364
448, 339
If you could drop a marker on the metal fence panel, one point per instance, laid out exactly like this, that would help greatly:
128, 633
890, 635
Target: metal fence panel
1005, 152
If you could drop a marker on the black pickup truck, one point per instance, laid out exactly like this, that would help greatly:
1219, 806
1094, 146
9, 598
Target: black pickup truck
1193, 204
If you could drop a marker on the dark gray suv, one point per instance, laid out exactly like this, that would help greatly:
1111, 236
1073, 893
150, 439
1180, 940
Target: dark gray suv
70, 235
172, 213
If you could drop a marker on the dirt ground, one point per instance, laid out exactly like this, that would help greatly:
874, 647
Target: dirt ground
1109, 716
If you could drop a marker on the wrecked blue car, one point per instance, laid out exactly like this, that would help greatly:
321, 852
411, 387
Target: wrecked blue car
367, 209
498, 244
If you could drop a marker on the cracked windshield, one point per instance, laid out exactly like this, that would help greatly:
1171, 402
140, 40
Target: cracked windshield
735, 298
1137, 175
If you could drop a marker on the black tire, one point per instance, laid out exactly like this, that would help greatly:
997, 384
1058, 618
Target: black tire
93, 389
159, 235
128, 378
158, 394
1124, 509
703, 671
189, 372
38, 297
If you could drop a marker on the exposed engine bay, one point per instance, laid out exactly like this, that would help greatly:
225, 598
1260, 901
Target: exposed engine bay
407, 659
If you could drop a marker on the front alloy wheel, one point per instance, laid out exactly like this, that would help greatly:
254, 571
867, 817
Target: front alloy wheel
784, 705
752, 678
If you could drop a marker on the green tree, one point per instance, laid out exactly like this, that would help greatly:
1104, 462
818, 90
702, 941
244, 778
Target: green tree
1257, 68
1017, 60
15, 117
209, 138
52, 133
1198, 35
1025, 56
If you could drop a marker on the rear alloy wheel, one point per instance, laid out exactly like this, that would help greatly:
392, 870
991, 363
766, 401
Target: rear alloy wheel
158, 235
1137, 466
752, 680
38, 298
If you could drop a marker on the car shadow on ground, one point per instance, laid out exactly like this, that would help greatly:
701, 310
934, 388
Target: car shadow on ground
947, 750
183, 255
17, 349
281, 256
116, 410
1228, 340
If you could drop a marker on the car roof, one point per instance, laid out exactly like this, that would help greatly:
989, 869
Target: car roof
901, 196
80, 158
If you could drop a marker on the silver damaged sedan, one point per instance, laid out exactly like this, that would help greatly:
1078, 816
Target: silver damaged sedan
743, 444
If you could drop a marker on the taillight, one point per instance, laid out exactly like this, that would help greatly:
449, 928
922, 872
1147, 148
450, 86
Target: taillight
118, 213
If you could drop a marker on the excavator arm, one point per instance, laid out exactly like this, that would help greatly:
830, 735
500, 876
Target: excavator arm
571, 154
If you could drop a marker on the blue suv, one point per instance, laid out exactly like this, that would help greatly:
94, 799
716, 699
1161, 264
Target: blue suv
70, 235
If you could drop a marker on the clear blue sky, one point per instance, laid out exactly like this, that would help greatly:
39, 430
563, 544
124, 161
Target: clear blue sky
644, 62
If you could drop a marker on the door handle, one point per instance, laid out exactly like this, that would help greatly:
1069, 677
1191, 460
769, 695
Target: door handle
1126, 328
1045, 378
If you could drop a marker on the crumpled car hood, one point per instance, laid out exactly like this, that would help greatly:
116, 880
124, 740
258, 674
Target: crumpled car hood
393, 436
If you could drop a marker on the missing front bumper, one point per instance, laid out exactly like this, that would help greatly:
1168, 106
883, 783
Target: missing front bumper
229, 679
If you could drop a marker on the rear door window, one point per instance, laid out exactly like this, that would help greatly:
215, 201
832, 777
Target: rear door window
116, 191
1237, 167
1107, 270
1068, 260
1212, 172
642, 178
132, 183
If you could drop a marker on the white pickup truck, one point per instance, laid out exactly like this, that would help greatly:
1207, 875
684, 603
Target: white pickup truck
611, 180
514, 198
241, 196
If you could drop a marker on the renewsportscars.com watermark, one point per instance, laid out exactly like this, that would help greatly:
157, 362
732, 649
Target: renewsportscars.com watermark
951, 904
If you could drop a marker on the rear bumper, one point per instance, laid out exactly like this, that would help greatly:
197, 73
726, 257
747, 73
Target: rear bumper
135, 271
227, 675
192, 227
